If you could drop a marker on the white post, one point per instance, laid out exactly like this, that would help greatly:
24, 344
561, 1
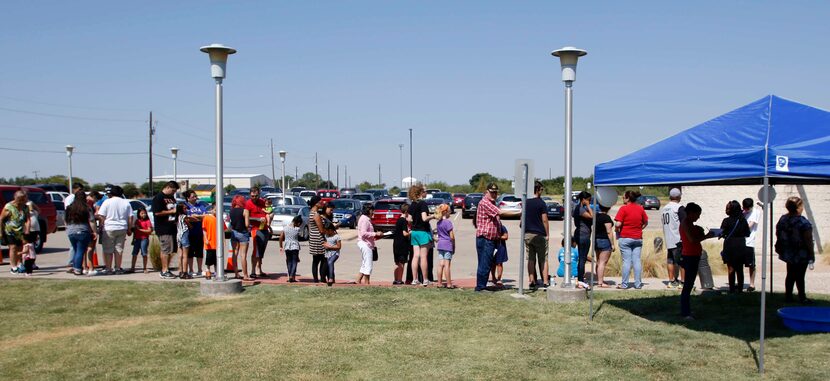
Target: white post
764, 248
594, 208
220, 189
69, 149
524, 184
175, 152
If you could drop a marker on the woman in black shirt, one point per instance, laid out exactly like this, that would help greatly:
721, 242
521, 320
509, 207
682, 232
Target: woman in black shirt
604, 241
402, 247
421, 234
734, 230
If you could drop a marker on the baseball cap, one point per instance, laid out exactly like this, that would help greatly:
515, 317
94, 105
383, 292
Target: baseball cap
674, 192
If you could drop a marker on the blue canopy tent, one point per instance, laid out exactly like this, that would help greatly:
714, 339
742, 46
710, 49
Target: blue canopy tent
770, 141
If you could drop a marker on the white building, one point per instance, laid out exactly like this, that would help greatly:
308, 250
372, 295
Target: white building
408, 182
713, 200
237, 180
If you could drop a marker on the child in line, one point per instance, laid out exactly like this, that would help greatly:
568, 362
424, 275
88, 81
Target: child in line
560, 272
497, 268
446, 245
332, 246
290, 245
141, 241
209, 230
28, 253
184, 241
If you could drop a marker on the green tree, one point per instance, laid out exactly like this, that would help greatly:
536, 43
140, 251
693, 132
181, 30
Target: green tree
229, 188
157, 186
309, 180
130, 190
395, 191
439, 185
99, 187
482, 177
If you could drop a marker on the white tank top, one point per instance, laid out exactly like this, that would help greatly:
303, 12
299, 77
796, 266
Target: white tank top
671, 224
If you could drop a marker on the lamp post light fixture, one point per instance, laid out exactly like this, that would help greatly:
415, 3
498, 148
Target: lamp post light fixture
218, 54
69, 149
282, 161
175, 152
568, 57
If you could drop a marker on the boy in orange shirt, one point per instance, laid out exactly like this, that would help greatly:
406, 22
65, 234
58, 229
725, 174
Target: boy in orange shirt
209, 230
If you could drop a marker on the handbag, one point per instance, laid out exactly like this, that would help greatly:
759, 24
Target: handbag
374, 254
722, 254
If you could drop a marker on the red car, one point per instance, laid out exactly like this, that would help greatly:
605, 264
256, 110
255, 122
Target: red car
48, 213
387, 213
458, 200
327, 195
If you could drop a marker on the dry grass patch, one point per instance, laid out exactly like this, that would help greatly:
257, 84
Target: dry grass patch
654, 261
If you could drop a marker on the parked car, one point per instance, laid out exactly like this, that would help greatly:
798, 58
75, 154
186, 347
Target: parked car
60, 214
204, 192
269, 190
307, 195
57, 196
509, 205
327, 195
649, 202
431, 191
347, 211
403, 194
48, 213
296, 190
556, 211
470, 205
458, 200
138, 205
432, 203
287, 200
386, 214
284, 215
348, 191
448, 199
364, 198
52, 187
378, 193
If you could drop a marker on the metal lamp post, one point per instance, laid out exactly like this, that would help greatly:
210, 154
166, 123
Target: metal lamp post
282, 160
568, 57
69, 150
175, 152
218, 58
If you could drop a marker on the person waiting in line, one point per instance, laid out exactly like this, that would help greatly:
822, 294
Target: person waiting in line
537, 230
240, 236
794, 245
290, 246
604, 241
401, 247
560, 271
80, 229
631, 219
366, 236
421, 236
487, 222
753, 218
14, 224
141, 239
211, 240
315, 241
260, 231
692, 237
671, 215
500, 258
583, 215
446, 246
164, 214
91, 256
734, 231
183, 236
333, 246
196, 211
116, 214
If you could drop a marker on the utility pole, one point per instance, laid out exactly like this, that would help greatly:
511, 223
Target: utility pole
152, 131
315, 170
346, 176
338, 176
35, 172
410, 156
296, 174
328, 171
379, 177
400, 146
273, 171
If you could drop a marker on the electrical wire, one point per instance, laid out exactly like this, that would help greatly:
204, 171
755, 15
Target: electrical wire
69, 116
69, 106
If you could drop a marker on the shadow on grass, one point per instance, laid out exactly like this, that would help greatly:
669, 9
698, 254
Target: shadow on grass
737, 316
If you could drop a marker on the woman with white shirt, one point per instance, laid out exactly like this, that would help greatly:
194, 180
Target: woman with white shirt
366, 236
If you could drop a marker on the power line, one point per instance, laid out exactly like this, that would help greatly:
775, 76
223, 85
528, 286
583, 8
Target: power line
69, 106
74, 153
69, 116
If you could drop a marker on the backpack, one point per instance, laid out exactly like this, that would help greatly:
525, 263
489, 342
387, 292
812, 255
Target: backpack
787, 237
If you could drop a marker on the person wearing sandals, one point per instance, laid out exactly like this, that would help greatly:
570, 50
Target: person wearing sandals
734, 230
333, 246
794, 245
420, 236
604, 241
631, 219
240, 235
80, 228
446, 246
692, 237
290, 246
366, 236
315, 241
14, 224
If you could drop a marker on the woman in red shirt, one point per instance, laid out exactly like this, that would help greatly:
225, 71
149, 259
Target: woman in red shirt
691, 237
631, 219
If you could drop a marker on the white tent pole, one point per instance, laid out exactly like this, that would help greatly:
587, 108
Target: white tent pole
593, 247
765, 247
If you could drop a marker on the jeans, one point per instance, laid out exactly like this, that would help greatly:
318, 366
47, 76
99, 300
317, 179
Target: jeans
262, 238
690, 265
79, 241
318, 263
292, 257
630, 250
330, 262
485, 249
141, 245
583, 245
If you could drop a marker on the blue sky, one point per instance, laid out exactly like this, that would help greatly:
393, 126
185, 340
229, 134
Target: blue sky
473, 79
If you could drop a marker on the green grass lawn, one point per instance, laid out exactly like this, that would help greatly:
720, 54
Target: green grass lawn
124, 330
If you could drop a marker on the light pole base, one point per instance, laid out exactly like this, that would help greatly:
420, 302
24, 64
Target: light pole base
566, 295
212, 288
520, 296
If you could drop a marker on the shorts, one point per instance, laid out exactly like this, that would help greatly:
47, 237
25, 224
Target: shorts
501, 256
419, 238
14, 239
445, 255
537, 247
196, 251
167, 243
750, 257
240, 237
210, 257
367, 255
113, 241
603, 244
184, 240
673, 256
401, 254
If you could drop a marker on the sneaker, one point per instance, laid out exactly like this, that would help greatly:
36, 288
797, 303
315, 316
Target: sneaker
13, 270
168, 275
490, 284
426, 283
92, 273
77, 272
200, 274
415, 283
120, 271
638, 287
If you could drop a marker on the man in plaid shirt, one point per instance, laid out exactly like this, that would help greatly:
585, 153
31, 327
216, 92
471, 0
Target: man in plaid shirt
488, 226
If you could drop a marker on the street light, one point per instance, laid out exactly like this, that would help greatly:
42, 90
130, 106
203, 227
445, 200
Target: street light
218, 54
175, 152
69, 150
568, 57
282, 160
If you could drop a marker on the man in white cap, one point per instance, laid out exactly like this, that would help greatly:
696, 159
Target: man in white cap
671, 216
